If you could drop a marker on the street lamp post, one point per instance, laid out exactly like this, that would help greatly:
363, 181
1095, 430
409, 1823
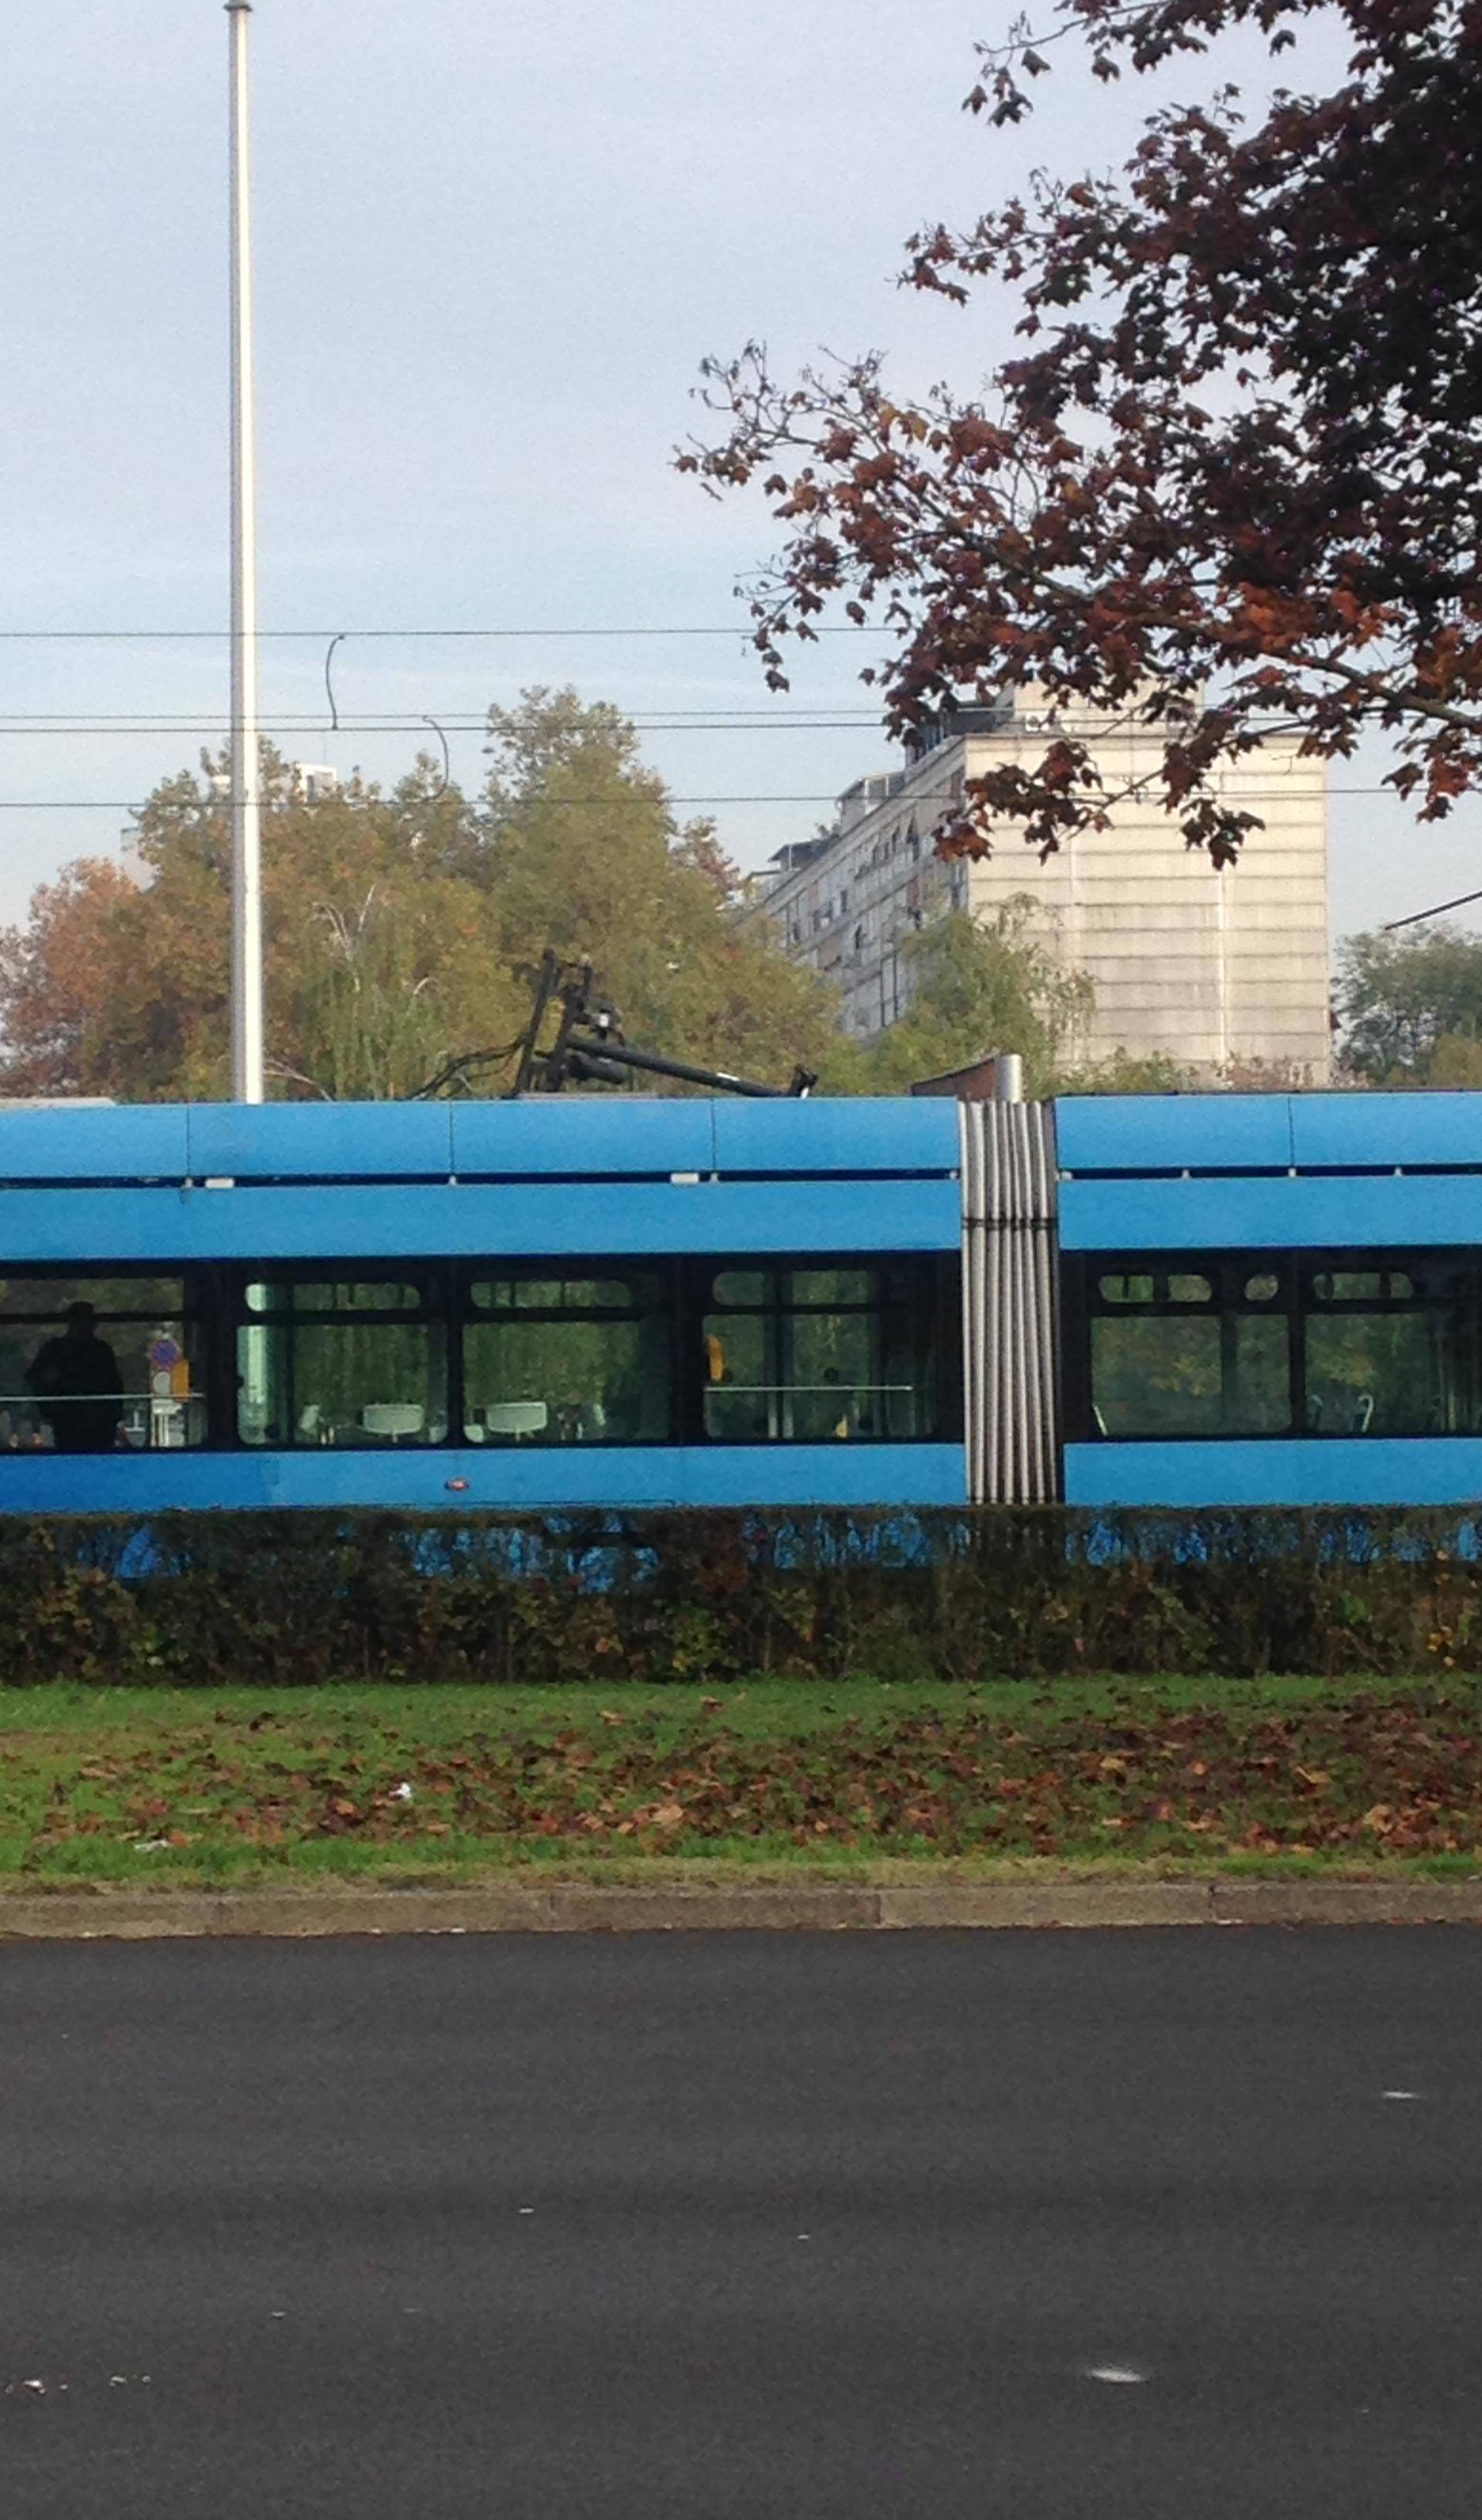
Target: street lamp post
246, 784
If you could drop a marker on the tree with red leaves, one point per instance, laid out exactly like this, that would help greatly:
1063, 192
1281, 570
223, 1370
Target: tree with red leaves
1232, 483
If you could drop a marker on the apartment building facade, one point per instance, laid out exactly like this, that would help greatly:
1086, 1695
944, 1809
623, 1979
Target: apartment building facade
1218, 971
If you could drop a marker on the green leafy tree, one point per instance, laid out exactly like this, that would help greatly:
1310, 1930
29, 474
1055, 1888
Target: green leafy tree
580, 849
1122, 1073
371, 949
978, 985
1456, 1063
403, 928
57, 981
1412, 1007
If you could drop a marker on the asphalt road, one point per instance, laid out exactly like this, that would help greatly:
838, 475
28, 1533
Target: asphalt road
713, 2225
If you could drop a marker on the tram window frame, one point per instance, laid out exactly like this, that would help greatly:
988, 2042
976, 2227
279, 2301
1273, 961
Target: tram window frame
218, 1307
1296, 1277
432, 1312
83, 1282
571, 1270
930, 1296
1440, 1284
1171, 1275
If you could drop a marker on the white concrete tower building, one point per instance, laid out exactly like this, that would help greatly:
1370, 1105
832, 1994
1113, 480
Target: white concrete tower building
1218, 972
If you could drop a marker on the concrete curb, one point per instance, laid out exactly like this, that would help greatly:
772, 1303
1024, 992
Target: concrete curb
1347, 1902
581, 1906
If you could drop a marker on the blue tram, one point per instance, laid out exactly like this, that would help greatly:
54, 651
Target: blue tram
615, 1301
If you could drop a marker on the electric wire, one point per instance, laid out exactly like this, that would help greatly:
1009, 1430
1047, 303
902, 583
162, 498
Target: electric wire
447, 758
1437, 911
461, 722
818, 796
328, 679
644, 630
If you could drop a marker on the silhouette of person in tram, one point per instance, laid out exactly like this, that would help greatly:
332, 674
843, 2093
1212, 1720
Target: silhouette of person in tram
78, 1386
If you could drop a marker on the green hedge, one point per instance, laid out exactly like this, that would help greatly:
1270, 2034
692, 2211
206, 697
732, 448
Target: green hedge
212, 1600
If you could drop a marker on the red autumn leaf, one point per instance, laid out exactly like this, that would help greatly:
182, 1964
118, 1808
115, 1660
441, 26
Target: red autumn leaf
1240, 428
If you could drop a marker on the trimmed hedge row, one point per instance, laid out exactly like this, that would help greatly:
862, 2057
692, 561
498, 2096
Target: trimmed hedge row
215, 1599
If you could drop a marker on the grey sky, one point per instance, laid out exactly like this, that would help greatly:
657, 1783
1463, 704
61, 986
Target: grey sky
494, 239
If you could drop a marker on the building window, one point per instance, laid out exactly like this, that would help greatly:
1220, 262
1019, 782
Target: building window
816, 1355
98, 1365
569, 1359
1324, 1343
340, 1360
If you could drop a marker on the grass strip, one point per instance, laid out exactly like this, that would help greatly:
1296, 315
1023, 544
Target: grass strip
387, 1783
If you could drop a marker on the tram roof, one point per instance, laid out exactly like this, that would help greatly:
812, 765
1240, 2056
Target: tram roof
576, 1138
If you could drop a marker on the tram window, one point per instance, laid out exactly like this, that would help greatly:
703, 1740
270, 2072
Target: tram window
1361, 1287
833, 1287
821, 1355
552, 1294
343, 1362
740, 1286
333, 1295
551, 1359
1177, 1350
1162, 1374
1331, 1343
126, 1380
1126, 1291
1375, 1373
1389, 1351
1184, 1287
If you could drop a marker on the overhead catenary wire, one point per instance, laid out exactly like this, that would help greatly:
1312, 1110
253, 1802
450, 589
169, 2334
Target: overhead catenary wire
639, 630
1438, 910
328, 679
461, 722
904, 803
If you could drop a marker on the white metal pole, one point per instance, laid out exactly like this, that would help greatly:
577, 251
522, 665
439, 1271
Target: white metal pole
247, 807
